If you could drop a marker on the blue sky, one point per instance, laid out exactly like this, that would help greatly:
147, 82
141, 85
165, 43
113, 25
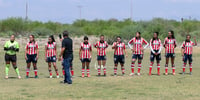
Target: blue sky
67, 11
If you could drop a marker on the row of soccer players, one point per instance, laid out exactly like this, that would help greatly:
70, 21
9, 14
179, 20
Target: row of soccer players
136, 45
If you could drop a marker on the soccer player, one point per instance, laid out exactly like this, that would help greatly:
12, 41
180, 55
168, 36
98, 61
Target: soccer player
136, 44
85, 55
186, 50
51, 56
101, 54
71, 62
119, 49
31, 55
170, 45
156, 47
11, 47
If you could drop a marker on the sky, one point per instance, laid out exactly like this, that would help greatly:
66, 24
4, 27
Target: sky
67, 11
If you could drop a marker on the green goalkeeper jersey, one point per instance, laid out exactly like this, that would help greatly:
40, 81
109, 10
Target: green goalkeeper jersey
13, 45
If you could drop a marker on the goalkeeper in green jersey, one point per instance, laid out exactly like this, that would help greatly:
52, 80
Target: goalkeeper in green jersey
11, 47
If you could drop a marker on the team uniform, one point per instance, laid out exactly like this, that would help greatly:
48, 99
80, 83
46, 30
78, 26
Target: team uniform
86, 55
119, 55
169, 45
188, 47
156, 47
51, 52
31, 55
10, 56
101, 54
51, 56
137, 45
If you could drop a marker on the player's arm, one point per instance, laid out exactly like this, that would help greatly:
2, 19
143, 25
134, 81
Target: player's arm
6, 48
129, 44
160, 47
90, 52
114, 45
56, 50
195, 41
183, 48
26, 51
80, 52
95, 45
175, 44
45, 52
151, 47
62, 50
125, 51
165, 42
37, 51
16, 47
146, 43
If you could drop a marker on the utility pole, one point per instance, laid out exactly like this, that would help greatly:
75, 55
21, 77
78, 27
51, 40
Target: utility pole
26, 10
131, 10
80, 11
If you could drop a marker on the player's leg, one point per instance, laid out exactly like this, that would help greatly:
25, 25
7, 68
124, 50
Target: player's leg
56, 69
158, 59
71, 67
83, 68
152, 56
173, 65
122, 61
190, 64
88, 68
166, 64
104, 67
35, 69
50, 71
140, 57
116, 61
14, 64
99, 66
7, 60
133, 64
185, 58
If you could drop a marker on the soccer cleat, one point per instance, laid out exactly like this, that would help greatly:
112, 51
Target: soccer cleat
183, 73
166, 73
6, 77
131, 74
27, 76
104, 74
174, 73
57, 76
50, 76
190, 73
123, 74
99, 74
36, 76
158, 74
19, 77
149, 74
138, 74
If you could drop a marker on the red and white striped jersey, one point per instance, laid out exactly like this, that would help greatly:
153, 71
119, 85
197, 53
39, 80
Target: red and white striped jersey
138, 44
51, 49
31, 48
101, 48
86, 49
120, 48
188, 46
169, 45
155, 44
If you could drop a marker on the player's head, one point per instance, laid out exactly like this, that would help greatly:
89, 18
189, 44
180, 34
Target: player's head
155, 35
171, 34
188, 36
138, 34
12, 38
65, 34
32, 38
85, 39
119, 39
51, 39
102, 38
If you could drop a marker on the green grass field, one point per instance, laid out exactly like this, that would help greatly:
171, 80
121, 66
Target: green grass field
142, 87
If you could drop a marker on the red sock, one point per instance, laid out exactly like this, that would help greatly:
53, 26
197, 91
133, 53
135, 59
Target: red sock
190, 67
99, 70
139, 67
150, 67
35, 72
123, 70
158, 68
57, 73
173, 68
104, 70
132, 67
184, 65
166, 69
83, 71
72, 72
27, 72
63, 71
115, 70
88, 71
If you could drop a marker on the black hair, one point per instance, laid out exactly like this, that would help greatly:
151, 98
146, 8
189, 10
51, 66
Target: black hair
119, 37
85, 38
33, 38
155, 38
139, 36
101, 35
172, 32
52, 37
65, 33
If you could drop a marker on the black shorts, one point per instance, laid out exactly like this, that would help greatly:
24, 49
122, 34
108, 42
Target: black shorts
85, 60
51, 59
187, 57
12, 58
31, 58
119, 58
137, 56
153, 56
170, 55
101, 57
